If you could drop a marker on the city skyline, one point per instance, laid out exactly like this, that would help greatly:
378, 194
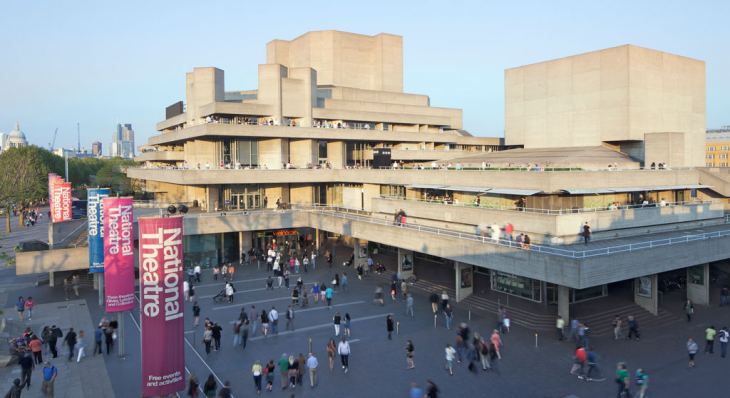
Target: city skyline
476, 44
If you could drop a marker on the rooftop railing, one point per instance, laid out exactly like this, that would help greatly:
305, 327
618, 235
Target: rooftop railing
487, 206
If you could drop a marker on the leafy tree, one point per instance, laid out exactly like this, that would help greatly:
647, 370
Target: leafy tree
23, 178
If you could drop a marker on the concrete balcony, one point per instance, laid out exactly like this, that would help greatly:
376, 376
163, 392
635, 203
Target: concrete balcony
534, 180
160, 156
555, 228
171, 122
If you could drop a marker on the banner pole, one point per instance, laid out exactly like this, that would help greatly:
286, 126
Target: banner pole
120, 333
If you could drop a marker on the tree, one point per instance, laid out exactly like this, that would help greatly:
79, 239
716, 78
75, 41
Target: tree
23, 178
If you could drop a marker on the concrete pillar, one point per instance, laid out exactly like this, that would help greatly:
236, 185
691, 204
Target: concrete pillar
698, 284
464, 280
223, 248
646, 293
360, 249
212, 195
51, 279
96, 281
405, 263
244, 243
337, 154
564, 302
316, 238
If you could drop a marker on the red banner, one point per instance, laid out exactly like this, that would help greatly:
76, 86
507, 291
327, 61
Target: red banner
161, 305
118, 254
56, 198
66, 201
51, 178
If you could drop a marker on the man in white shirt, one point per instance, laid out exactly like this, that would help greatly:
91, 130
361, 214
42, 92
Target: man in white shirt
343, 348
186, 290
314, 260
197, 273
274, 320
312, 364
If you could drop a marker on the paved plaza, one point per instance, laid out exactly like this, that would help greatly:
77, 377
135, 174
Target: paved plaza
531, 366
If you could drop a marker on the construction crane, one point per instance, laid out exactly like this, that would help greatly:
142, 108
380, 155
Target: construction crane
51, 145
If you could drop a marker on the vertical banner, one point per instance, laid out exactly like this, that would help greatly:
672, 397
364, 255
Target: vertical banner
56, 201
161, 305
66, 201
51, 179
95, 217
118, 254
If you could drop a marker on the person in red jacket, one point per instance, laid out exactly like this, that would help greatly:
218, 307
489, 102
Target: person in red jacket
580, 361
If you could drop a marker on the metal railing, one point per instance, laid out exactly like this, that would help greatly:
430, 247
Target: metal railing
550, 250
550, 211
423, 169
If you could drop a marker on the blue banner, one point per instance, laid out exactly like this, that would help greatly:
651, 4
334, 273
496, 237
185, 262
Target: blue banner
95, 217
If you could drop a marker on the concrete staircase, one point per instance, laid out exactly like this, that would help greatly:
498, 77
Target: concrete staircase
600, 322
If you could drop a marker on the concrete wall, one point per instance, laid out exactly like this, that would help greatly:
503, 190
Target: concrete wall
273, 153
344, 59
667, 148
303, 153
648, 302
301, 194
201, 152
36, 262
615, 94
203, 86
336, 154
61, 232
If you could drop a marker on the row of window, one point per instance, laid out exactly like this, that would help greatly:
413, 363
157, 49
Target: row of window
719, 156
720, 148
723, 164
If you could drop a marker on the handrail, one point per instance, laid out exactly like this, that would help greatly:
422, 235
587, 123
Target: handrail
549, 211
424, 169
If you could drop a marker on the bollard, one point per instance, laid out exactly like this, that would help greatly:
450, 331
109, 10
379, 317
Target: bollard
535, 339
310, 345
397, 328
469, 313
434, 320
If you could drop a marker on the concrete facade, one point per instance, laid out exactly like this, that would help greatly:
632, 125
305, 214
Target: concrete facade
614, 95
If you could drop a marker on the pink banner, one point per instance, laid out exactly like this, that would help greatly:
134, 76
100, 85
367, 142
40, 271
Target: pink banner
51, 178
66, 201
161, 305
56, 199
118, 254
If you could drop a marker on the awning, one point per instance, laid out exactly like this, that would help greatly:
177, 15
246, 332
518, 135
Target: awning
510, 191
460, 188
586, 191
425, 186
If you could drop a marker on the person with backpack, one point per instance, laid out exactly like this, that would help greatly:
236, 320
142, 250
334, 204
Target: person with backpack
622, 380
642, 382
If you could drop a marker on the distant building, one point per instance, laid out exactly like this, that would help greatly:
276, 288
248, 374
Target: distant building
96, 148
717, 147
63, 152
13, 139
123, 142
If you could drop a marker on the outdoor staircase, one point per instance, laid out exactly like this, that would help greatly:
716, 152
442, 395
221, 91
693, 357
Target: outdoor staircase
600, 322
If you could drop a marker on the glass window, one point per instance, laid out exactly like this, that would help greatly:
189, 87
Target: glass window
398, 191
696, 275
588, 293
519, 286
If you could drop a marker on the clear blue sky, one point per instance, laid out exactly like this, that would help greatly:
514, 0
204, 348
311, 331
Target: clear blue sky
100, 63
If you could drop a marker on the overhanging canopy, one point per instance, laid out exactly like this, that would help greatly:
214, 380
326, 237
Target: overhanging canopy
595, 191
510, 191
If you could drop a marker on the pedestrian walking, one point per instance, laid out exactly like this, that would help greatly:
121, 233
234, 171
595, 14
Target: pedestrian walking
237, 332
331, 353
312, 365
210, 387
579, 361
337, 320
196, 314
269, 372
29, 307
20, 307
622, 380
348, 325
253, 317
723, 338
284, 370
226, 391
186, 290
617, 325
389, 326
274, 320
49, 378
15, 390
444, 300
710, 333
586, 233
450, 356
344, 282
70, 341
193, 386
409, 305
574, 330
343, 348
560, 327
432, 390
217, 331
448, 316
191, 293
196, 269
264, 317
36, 348
328, 295
75, 281
692, 349
642, 382
290, 318
689, 309
257, 372
724, 296
26, 369
98, 338
633, 328
497, 341
292, 371
410, 364
229, 292
245, 326
207, 339
54, 335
